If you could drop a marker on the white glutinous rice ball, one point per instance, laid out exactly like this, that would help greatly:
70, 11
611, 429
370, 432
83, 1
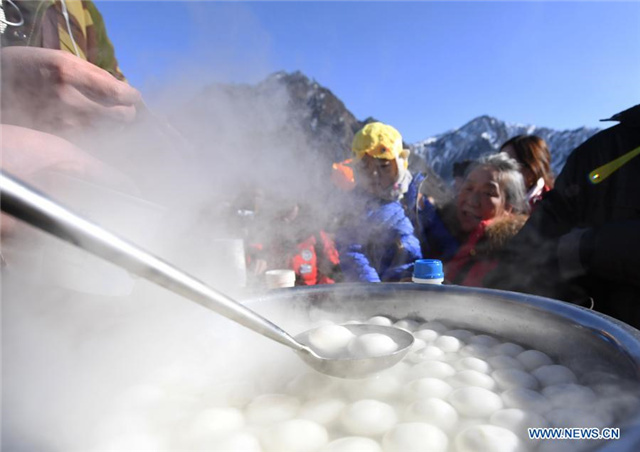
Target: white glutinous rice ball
475, 402
311, 384
237, 442
476, 351
352, 444
463, 424
450, 358
270, 408
368, 418
427, 387
504, 362
466, 378
380, 320
407, 324
400, 370
532, 359
578, 417
483, 339
448, 344
297, 435
434, 369
381, 386
415, 437
472, 378
434, 325
214, 422
320, 323
461, 335
330, 340
526, 399
570, 395
471, 363
488, 438
429, 352
554, 374
418, 344
372, 344
514, 378
322, 411
433, 411
518, 421
426, 335
507, 348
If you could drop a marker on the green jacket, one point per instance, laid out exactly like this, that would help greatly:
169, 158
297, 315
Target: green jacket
44, 26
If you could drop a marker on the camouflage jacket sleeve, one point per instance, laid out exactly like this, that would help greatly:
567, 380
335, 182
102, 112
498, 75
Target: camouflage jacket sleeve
43, 25
100, 50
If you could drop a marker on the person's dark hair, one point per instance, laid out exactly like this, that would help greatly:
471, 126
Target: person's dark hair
460, 168
532, 152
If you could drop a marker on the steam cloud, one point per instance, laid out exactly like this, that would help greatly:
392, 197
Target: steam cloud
81, 338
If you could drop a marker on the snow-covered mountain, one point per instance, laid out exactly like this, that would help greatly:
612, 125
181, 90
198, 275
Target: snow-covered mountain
289, 117
485, 134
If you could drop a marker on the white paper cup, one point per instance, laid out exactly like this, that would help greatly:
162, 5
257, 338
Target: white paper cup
280, 278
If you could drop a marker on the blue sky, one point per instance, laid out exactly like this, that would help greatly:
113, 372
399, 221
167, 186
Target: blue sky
424, 67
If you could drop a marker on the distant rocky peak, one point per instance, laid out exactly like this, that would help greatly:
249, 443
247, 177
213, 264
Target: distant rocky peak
485, 134
320, 112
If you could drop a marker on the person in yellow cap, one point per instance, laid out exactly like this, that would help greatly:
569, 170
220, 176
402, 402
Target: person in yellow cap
381, 162
377, 241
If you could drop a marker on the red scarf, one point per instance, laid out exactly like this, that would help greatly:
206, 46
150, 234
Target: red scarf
466, 268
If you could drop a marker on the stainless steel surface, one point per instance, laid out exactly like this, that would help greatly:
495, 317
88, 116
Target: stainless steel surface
35, 208
583, 340
360, 368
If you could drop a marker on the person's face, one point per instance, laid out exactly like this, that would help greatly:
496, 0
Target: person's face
480, 198
377, 175
528, 175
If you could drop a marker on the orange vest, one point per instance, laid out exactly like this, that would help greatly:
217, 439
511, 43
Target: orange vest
305, 261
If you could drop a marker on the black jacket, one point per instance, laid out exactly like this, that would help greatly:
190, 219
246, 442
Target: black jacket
582, 241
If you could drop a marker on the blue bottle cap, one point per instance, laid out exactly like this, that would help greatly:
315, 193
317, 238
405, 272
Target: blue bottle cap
428, 269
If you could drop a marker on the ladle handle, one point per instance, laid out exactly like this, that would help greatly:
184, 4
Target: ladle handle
29, 205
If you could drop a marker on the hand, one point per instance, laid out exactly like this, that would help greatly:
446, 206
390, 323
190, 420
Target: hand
26, 153
57, 92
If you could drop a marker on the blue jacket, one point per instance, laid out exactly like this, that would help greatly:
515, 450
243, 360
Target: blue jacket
437, 241
377, 243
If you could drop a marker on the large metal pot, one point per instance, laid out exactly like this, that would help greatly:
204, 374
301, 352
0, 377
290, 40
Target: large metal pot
581, 339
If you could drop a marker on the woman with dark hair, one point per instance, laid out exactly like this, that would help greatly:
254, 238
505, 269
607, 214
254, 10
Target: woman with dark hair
582, 243
532, 153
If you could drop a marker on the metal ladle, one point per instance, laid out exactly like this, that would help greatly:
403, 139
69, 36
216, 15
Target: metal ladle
29, 205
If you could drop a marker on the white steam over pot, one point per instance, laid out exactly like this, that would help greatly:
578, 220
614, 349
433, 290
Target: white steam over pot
583, 340
113, 377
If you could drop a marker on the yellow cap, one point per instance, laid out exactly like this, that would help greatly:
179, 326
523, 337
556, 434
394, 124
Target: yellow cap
377, 140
